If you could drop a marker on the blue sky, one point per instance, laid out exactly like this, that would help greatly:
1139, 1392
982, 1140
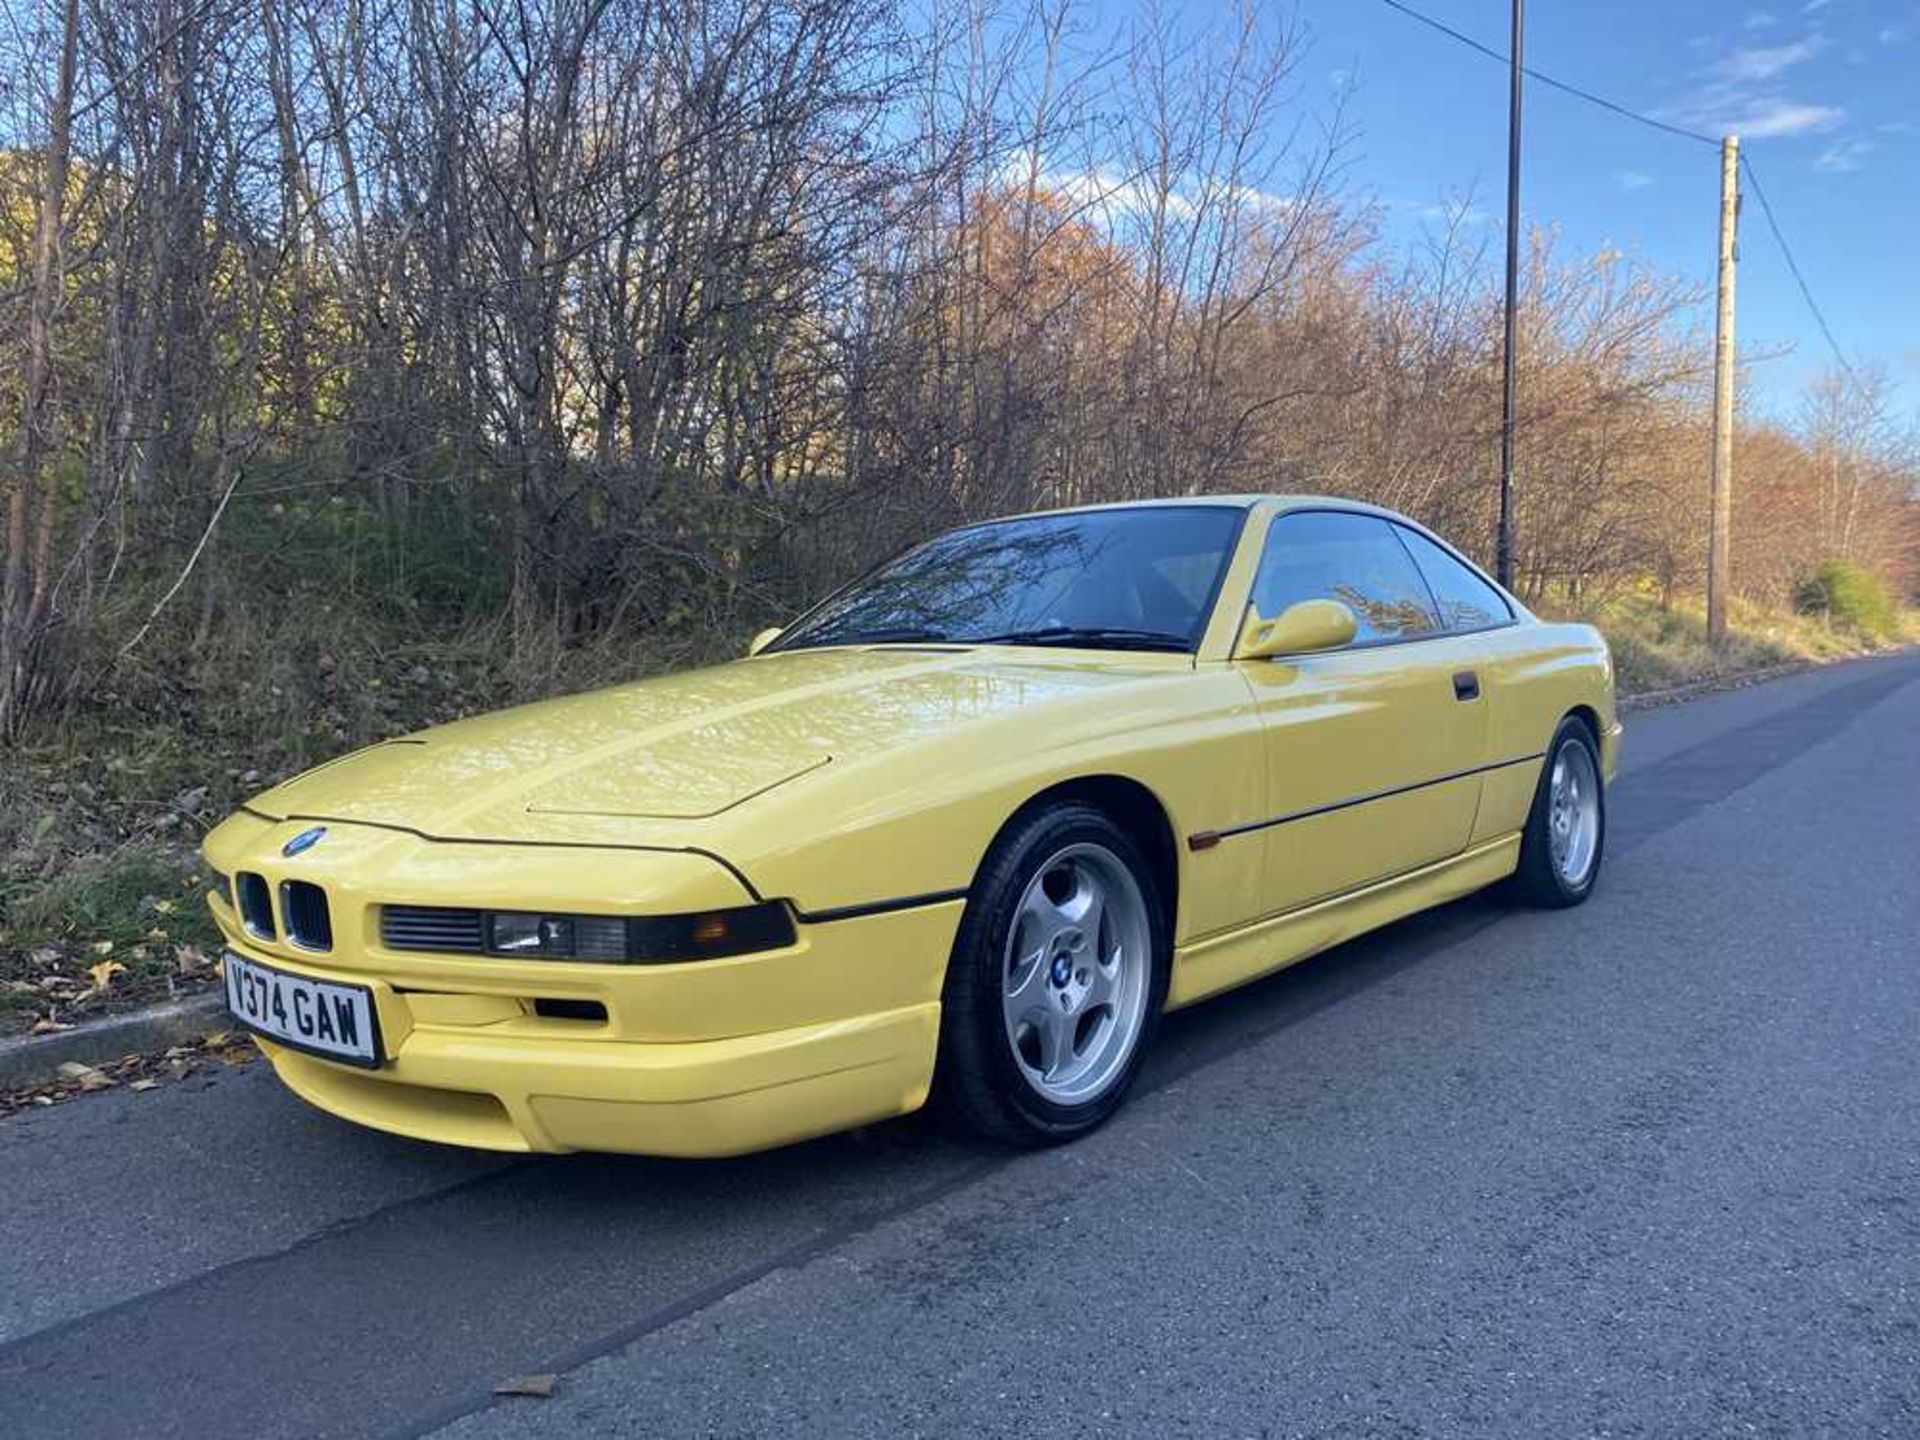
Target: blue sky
1825, 95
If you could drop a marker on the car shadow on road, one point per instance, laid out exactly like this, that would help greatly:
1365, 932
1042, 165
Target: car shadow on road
554, 1261
1189, 1041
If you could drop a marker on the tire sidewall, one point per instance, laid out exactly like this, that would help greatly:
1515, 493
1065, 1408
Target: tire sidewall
1008, 870
1571, 732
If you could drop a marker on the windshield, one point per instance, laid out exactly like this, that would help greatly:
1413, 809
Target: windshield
1139, 579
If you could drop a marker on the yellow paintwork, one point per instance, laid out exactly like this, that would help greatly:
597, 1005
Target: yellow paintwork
840, 778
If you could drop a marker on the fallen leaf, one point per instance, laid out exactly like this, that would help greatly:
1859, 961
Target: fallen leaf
47, 1025
85, 1076
103, 947
538, 1386
104, 972
142, 1086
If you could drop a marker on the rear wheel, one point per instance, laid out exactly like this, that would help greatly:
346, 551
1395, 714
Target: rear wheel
1056, 981
1566, 834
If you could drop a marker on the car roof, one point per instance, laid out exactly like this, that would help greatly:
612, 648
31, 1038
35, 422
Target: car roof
1247, 501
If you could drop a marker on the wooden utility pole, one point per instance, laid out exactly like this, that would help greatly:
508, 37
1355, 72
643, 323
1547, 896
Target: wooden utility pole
1723, 393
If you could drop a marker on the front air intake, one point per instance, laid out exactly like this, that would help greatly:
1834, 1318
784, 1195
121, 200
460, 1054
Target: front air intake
256, 905
303, 905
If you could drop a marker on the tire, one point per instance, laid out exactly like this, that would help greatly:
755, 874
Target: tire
1566, 835
1087, 1004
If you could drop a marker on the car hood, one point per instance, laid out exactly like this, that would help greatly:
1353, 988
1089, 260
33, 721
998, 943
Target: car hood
678, 749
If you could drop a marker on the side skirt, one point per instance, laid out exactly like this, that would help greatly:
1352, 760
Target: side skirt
1221, 962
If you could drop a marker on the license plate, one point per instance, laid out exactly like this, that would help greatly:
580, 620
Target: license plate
318, 1016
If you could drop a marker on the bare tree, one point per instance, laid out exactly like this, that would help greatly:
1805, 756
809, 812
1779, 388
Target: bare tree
29, 488
572, 322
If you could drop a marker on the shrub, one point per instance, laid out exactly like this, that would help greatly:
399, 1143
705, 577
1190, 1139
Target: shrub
1852, 597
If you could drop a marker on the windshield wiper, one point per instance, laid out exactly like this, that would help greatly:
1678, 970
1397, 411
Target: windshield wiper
1112, 637
897, 635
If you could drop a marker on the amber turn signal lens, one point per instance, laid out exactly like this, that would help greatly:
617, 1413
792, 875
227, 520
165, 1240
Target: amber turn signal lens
665, 938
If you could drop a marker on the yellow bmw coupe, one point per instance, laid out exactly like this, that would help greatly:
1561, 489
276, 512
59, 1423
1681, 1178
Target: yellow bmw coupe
964, 829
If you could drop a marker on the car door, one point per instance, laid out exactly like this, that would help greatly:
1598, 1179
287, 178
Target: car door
1506, 667
1372, 749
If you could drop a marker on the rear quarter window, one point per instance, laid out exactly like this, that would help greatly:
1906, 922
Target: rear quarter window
1465, 601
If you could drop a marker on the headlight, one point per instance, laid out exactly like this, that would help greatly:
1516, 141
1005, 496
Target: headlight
647, 939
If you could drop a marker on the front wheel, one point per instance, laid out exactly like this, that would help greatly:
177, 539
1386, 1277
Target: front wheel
1056, 982
1566, 834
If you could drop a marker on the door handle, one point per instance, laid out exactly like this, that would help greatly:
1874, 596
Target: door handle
1466, 685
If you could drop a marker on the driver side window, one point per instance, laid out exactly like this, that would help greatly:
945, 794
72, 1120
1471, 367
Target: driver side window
1355, 559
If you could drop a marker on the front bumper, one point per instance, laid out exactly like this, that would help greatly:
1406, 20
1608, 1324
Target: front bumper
704, 1058
703, 1098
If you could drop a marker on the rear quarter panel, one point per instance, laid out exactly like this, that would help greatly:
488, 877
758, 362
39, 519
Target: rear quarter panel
1535, 674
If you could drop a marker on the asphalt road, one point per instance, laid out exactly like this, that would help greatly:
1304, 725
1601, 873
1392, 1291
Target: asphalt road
1650, 1167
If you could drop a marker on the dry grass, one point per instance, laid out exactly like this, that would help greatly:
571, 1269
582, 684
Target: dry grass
1662, 648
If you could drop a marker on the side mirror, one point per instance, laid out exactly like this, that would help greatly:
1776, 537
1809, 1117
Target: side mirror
765, 638
1308, 626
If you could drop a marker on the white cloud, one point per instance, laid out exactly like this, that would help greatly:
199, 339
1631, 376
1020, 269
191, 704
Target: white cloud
1265, 200
1761, 19
1463, 213
1767, 118
1751, 63
1632, 179
1738, 95
1109, 191
1844, 155
1109, 195
1814, 7
1719, 110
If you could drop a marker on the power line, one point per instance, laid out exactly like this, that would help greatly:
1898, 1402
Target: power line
1746, 163
1793, 267
1548, 80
